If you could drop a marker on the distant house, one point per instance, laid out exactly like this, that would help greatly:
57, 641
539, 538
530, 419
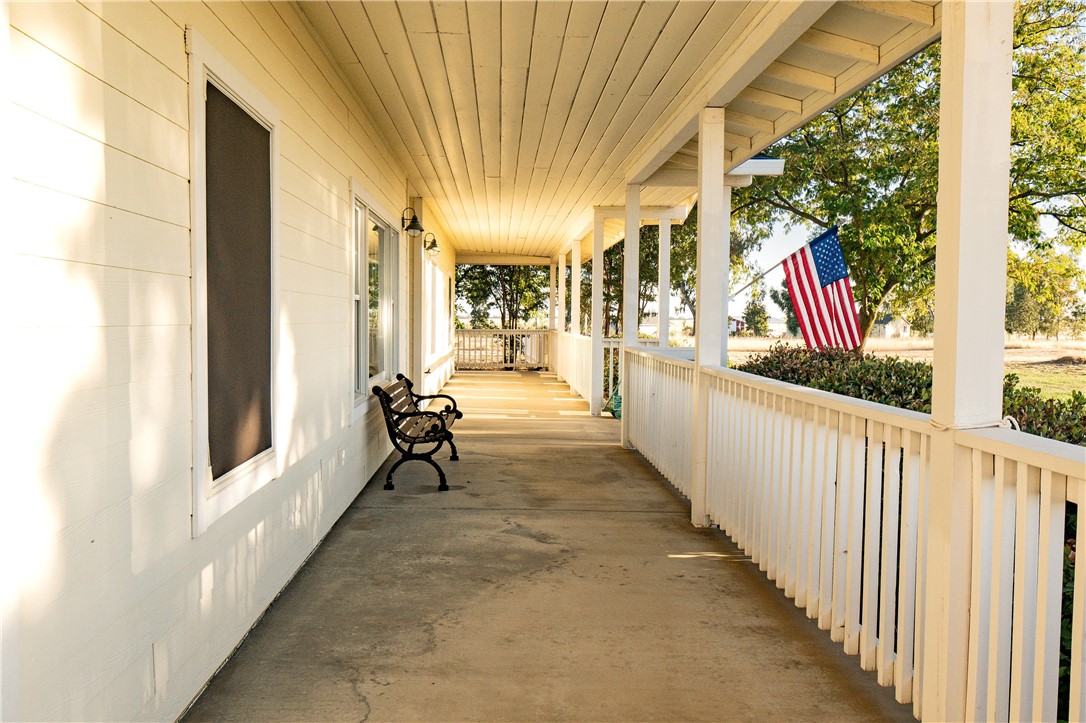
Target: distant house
891, 327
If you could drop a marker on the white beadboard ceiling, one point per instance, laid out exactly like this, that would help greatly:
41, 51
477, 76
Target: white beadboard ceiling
515, 119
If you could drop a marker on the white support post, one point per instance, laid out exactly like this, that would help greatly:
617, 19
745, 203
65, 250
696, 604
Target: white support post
595, 402
631, 278
575, 290
664, 284
970, 287
631, 281
711, 327
414, 243
561, 292
552, 295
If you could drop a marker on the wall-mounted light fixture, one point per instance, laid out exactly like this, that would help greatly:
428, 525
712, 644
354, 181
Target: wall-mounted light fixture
410, 222
429, 244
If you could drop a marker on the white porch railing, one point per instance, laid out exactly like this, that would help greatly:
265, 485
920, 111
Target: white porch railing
572, 360
501, 348
827, 495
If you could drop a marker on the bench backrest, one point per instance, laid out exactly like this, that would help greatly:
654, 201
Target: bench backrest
397, 398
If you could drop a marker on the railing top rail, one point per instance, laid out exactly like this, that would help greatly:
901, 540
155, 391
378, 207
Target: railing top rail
662, 355
501, 331
1060, 457
882, 413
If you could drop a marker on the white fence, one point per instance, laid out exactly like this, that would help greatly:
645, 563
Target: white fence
827, 495
501, 348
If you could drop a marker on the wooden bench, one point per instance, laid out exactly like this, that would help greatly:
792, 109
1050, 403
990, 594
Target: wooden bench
415, 432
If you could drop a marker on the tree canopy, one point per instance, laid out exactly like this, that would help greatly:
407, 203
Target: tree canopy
870, 163
515, 291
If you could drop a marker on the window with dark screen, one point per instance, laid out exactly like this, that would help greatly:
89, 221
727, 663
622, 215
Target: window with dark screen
239, 284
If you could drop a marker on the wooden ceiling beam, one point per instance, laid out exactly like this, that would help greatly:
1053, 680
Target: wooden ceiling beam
801, 76
840, 46
768, 99
907, 10
763, 125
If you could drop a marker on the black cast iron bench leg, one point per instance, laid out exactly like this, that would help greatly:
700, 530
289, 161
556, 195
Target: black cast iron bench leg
442, 486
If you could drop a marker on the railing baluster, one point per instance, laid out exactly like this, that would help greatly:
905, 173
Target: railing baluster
872, 532
1024, 626
857, 457
840, 544
818, 491
1049, 590
1077, 708
891, 515
1002, 551
803, 514
980, 598
906, 619
829, 522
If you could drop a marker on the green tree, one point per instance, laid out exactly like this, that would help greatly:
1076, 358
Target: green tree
783, 299
870, 163
515, 291
750, 227
1023, 311
1046, 287
754, 313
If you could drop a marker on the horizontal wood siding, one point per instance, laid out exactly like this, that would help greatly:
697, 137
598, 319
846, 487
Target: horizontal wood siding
121, 614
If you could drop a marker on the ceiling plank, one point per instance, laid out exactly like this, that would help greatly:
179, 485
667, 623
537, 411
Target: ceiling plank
841, 46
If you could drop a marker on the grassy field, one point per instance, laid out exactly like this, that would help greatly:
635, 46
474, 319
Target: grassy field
1057, 378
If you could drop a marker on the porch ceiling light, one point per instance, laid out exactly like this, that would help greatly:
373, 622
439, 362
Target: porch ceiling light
412, 226
429, 244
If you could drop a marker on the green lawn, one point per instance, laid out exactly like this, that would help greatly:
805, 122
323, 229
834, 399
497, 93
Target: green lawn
1055, 378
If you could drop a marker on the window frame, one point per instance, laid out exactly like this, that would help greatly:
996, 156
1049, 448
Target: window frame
213, 498
388, 269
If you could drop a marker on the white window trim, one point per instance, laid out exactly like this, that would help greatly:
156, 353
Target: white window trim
361, 405
211, 499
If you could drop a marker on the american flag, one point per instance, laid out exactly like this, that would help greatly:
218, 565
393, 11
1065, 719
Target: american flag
817, 280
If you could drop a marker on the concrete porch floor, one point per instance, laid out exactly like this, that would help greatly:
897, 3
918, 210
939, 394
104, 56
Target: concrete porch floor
558, 579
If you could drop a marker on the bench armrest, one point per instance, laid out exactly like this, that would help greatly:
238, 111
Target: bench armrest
450, 408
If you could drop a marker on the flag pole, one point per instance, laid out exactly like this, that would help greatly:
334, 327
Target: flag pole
757, 278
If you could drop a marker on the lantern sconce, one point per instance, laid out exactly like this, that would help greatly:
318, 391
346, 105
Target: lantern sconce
410, 222
429, 244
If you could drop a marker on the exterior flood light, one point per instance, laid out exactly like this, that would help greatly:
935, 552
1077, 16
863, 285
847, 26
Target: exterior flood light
412, 226
429, 244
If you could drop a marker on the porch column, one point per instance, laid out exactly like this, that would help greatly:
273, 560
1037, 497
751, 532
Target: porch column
970, 287
595, 401
664, 310
630, 282
416, 367
551, 296
631, 278
561, 292
575, 290
711, 292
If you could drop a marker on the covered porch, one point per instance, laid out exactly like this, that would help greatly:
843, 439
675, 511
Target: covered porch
559, 578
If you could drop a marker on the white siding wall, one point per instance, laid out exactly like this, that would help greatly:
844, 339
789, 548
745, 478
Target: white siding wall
112, 610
